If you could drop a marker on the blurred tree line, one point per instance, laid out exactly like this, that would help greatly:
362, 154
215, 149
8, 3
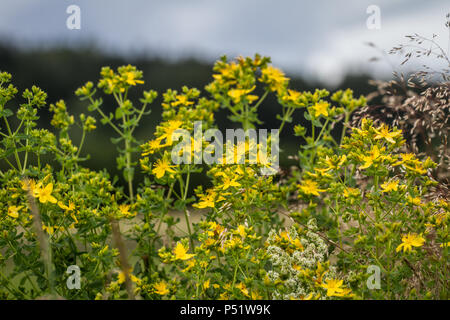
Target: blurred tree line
60, 71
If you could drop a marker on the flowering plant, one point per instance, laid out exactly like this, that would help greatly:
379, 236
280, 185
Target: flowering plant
354, 200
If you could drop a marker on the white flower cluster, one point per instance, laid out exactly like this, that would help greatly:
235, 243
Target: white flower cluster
314, 250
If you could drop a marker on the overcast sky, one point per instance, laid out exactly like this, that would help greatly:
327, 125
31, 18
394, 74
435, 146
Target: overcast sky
323, 39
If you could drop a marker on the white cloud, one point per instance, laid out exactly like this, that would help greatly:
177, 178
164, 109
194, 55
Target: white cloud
321, 38
347, 48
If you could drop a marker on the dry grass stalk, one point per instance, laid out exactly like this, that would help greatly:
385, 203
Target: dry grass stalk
43, 240
124, 265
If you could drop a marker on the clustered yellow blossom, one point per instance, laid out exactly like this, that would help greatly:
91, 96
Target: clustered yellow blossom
310, 187
334, 288
161, 167
119, 82
410, 240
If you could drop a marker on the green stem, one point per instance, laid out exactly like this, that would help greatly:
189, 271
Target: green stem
141, 113
127, 138
261, 100
16, 294
16, 155
83, 136
186, 215
317, 139
286, 115
235, 274
130, 175
246, 123
107, 119
322, 131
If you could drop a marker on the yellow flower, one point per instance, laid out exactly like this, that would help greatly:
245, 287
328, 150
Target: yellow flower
417, 168
70, 207
111, 83
206, 284
208, 200
34, 188
125, 210
121, 276
298, 244
383, 133
334, 162
169, 128
190, 265
233, 243
320, 272
241, 231
183, 100
273, 77
50, 230
161, 167
223, 296
256, 295
440, 217
333, 287
45, 194
135, 279
308, 297
228, 182
98, 296
406, 157
227, 74
180, 252
264, 159
390, 186
13, 211
284, 235
310, 187
161, 288
410, 240
321, 172
344, 293
369, 160
415, 201
103, 251
291, 96
241, 286
351, 192
297, 267
237, 94
320, 108
130, 78
150, 147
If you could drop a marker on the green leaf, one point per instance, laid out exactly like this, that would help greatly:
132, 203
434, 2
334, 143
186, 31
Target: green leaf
116, 140
128, 174
119, 113
6, 113
307, 115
